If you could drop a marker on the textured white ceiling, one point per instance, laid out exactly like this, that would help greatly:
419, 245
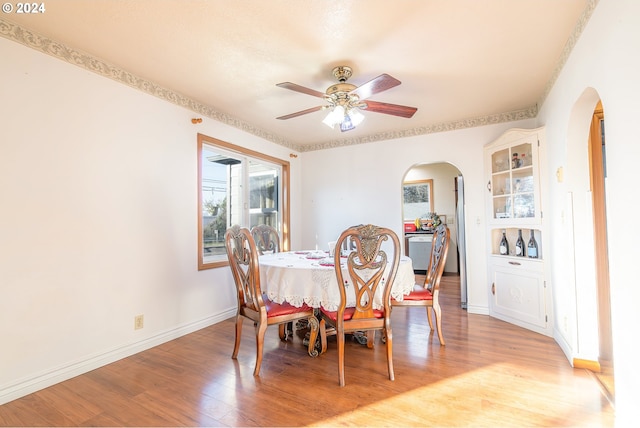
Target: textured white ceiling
461, 62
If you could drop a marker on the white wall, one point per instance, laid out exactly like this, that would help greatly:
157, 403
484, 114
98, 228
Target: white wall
98, 222
604, 63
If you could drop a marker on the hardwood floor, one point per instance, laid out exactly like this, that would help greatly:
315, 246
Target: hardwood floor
490, 373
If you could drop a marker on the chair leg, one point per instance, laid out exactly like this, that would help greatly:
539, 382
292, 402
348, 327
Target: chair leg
313, 336
261, 328
438, 311
282, 332
236, 346
371, 337
389, 343
340, 340
323, 336
429, 314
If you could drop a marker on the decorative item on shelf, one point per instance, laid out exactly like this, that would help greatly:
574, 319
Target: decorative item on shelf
515, 162
520, 244
409, 227
532, 247
504, 244
428, 222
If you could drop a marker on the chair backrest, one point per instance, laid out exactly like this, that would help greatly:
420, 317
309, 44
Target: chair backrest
369, 267
243, 260
438, 258
266, 238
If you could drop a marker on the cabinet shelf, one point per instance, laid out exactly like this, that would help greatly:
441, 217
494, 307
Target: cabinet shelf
512, 236
513, 180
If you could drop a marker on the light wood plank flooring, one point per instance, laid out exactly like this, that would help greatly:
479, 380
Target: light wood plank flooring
490, 373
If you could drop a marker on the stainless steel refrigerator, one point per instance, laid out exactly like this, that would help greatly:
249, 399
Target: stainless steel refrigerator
460, 240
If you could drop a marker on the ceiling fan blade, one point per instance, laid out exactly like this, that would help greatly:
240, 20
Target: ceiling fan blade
300, 113
302, 89
386, 108
372, 87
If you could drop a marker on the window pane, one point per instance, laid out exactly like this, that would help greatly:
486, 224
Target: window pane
264, 194
221, 199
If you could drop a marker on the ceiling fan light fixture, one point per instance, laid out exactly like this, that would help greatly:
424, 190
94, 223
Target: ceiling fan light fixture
351, 119
346, 100
335, 117
356, 116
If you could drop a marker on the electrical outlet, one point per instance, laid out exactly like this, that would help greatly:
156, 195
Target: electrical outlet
138, 322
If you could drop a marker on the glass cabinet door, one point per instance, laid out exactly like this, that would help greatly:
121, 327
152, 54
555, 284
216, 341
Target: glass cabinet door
512, 182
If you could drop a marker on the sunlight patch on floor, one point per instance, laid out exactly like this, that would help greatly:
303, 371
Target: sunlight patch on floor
448, 402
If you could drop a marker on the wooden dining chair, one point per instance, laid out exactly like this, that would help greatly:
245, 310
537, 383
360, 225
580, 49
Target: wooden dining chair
268, 242
266, 238
427, 294
252, 304
368, 268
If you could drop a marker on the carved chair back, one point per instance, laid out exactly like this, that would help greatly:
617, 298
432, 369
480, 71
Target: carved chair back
243, 260
437, 259
266, 238
367, 269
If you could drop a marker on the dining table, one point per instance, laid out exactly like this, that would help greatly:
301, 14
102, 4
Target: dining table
309, 277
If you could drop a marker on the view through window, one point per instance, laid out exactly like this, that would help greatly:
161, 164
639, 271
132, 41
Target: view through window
237, 186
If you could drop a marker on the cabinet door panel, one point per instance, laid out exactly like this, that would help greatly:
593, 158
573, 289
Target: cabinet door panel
519, 296
513, 178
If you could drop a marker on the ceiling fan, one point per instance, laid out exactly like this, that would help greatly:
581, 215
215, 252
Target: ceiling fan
346, 100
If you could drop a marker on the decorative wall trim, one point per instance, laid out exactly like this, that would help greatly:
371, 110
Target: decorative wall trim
40, 43
568, 47
528, 113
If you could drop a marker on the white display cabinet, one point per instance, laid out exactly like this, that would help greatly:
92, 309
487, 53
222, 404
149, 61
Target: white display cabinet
517, 285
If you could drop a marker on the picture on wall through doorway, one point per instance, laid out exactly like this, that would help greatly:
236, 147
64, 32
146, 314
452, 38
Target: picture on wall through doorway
417, 198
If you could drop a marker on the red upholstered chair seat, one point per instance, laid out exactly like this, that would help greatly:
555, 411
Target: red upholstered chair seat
419, 293
277, 309
348, 313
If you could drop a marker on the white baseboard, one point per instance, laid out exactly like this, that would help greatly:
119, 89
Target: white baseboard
478, 310
564, 345
59, 374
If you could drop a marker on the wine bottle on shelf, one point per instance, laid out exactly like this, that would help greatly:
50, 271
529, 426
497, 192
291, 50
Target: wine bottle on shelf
504, 244
520, 244
532, 247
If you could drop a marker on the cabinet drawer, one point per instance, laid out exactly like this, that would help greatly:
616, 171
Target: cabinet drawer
523, 263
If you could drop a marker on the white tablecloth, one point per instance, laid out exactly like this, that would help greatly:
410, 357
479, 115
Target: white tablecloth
295, 278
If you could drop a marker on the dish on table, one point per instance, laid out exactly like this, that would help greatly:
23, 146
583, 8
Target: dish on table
316, 255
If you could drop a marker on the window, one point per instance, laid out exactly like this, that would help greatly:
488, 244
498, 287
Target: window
237, 186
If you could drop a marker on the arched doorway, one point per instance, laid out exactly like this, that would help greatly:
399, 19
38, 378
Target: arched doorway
447, 193
585, 181
598, 174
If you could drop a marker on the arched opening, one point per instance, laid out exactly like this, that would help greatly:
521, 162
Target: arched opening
586, 177
598, 174
444, 185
